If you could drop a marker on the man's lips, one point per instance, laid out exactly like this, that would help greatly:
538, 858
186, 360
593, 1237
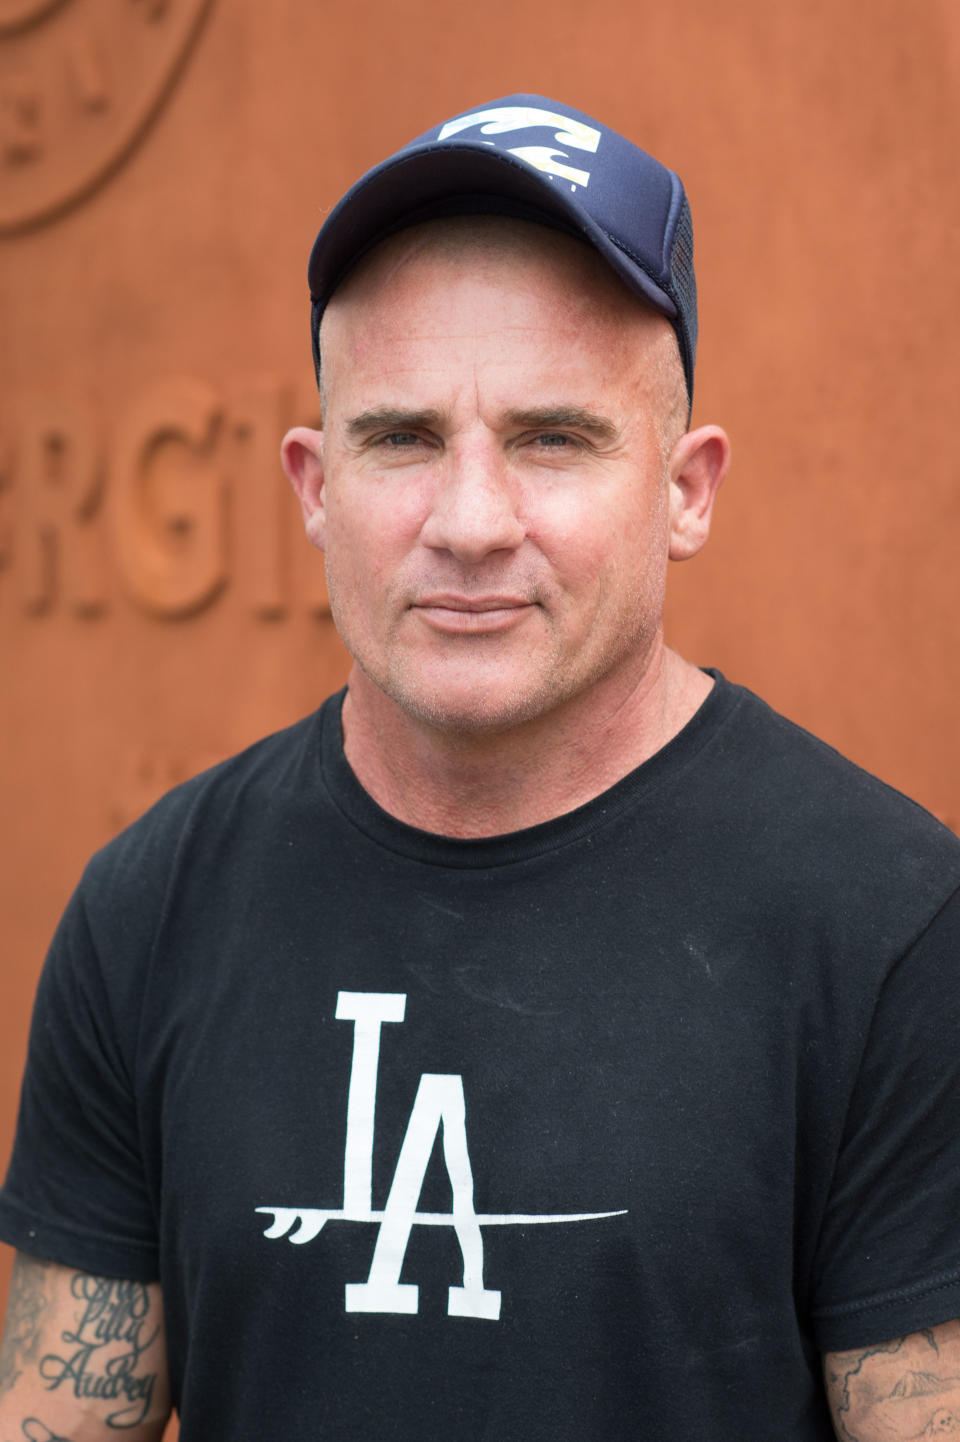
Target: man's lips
450, 612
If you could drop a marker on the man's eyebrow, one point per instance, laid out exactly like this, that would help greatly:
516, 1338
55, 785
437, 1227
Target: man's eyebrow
538, 418
390, 418
564, 418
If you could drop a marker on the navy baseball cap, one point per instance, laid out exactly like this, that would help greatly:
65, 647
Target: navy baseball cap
535, 159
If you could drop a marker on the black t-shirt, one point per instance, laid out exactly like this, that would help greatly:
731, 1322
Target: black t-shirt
599, 1130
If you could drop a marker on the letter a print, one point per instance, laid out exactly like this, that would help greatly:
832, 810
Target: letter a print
439, 1102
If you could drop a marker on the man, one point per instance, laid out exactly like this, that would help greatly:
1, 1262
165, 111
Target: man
545, 1040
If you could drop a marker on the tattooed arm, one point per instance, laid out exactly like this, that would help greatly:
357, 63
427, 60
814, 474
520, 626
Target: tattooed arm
907, 1390
83, 1358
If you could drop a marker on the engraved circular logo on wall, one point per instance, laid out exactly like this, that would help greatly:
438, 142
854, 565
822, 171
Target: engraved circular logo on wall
80, 83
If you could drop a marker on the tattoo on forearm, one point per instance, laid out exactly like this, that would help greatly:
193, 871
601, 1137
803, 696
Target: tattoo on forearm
904, 1391
21, 1339
105, 1350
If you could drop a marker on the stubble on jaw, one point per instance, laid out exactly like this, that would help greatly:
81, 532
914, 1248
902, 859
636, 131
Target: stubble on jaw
470, 725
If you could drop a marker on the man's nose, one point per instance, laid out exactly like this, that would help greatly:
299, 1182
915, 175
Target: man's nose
474, 509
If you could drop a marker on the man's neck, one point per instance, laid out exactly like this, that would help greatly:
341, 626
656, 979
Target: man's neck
472, 785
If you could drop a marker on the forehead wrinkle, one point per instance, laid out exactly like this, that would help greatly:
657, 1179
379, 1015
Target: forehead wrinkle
478, 247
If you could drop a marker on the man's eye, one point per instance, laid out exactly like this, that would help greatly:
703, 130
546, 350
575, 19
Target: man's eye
400, 438
556, 440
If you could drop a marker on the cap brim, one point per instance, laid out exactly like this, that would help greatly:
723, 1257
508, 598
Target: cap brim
403, 190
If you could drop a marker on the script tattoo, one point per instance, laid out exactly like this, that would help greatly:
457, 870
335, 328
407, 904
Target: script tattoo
907, 1390
106, 1347
27, 1301
36, 1431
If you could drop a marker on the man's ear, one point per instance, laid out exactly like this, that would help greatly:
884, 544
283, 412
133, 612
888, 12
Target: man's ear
697, 466
301, 452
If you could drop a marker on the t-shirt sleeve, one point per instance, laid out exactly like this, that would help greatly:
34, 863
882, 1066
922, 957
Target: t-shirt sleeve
75, 1191
888, 1257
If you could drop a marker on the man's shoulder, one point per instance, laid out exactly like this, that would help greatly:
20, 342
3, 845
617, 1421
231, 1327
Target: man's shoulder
805, 798
785, 753
261, 780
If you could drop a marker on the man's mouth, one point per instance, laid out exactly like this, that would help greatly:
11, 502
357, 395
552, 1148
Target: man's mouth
449, 611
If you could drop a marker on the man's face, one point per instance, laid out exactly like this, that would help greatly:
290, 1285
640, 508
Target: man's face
494, 508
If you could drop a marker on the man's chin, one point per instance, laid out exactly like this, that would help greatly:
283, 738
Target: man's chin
472, 710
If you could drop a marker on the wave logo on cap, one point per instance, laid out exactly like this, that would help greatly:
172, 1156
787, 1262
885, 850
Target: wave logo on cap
503, 120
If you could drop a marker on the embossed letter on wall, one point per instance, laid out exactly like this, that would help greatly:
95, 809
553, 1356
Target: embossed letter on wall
179, 501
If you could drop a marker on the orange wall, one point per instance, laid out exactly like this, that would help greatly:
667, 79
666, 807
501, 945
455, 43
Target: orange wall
163, 168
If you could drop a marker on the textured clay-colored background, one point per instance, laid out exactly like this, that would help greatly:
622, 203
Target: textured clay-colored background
163, 167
